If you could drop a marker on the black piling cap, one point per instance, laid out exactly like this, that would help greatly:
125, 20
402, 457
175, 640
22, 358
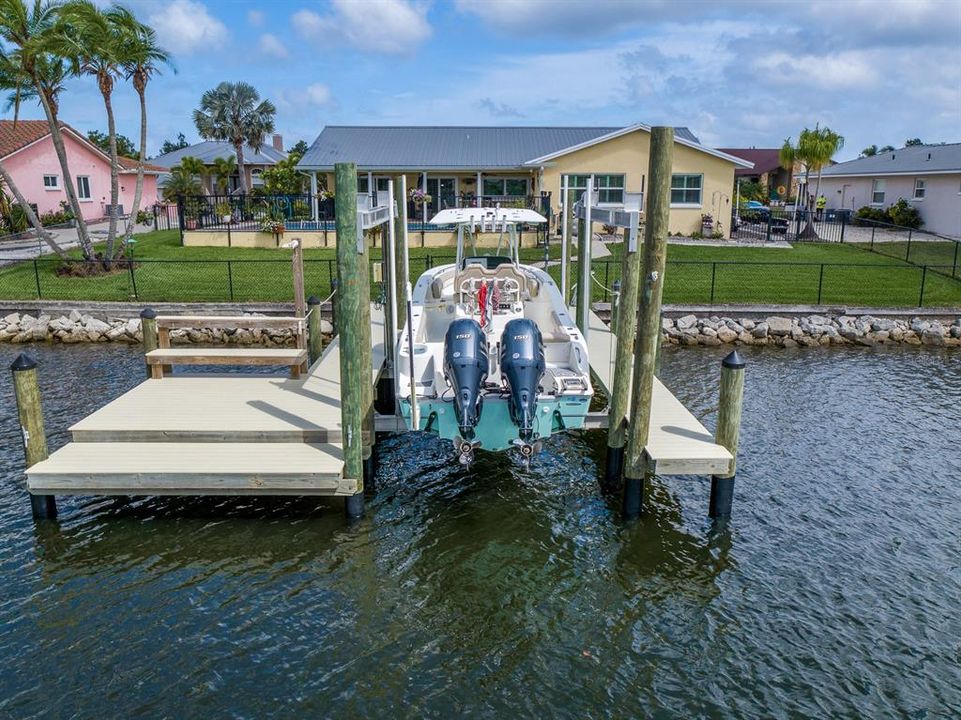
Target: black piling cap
23, 362
733, 361
313, 300
148, 313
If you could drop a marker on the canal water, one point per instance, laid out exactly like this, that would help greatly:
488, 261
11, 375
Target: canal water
510, 592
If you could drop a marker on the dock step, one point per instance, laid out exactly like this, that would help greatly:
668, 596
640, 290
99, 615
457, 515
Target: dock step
134, 468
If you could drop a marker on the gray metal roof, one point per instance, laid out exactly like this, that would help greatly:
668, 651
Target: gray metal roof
916, 159
452, 147
209, 150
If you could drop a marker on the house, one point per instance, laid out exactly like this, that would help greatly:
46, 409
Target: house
767, 170
255, 161
28, 154
482, 165
927, 176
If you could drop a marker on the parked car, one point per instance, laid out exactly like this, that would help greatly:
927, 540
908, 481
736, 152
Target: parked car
753, 205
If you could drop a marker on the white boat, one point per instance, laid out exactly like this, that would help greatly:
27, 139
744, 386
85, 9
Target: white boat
497, 359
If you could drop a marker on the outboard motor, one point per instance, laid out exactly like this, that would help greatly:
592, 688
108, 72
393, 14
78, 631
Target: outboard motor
465, 367
522, 367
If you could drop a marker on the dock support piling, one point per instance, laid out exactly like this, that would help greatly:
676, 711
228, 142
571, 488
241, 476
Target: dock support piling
315, 341
351, 282
32, 433
727, 433
637, 464
400, 242
148, 327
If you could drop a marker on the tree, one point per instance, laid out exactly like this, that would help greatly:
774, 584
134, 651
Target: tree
141, 58
869, 151
125, 146
886, 148
912, 142
180, 183
299, 149
169, 146
27, 33
283, 178
196, 168
233, 112
224, 168
813, 151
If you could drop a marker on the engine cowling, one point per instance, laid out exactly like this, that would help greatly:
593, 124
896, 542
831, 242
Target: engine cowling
522, 367
465, 367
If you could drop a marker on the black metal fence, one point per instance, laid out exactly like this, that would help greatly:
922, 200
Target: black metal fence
916, 247
687, 282
770, 224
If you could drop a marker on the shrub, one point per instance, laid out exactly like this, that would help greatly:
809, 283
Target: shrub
871, 214
904, 214
55, 218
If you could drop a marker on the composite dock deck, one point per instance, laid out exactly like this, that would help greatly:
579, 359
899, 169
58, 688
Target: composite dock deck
212, 435
678, 443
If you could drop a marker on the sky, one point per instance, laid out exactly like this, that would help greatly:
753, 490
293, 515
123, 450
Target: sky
738, 74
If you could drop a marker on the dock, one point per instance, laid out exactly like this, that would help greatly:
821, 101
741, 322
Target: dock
213, 435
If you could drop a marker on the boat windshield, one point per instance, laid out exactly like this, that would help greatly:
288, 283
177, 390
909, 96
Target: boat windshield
502, 222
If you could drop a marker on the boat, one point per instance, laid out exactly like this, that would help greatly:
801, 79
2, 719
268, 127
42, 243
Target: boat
489, 357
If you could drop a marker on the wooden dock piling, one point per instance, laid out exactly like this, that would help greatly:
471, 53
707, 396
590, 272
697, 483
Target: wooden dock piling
365, 347
728, 432
638, 465
32, 432
400, 242
148, 328
315, 340
351, 277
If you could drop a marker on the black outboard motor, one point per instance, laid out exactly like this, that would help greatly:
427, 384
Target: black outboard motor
522, 367
465, 367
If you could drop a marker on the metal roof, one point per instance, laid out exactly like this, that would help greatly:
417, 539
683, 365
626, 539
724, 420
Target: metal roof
918, 159
209, 150
447, 147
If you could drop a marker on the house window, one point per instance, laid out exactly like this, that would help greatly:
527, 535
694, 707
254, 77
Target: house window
51, 182
877, 192
610, 188
362, 187
83, 187
256, 179
919, 189
505, 186
686, 189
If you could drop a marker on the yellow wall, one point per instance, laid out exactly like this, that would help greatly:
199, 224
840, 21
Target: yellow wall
314, 239
628, 155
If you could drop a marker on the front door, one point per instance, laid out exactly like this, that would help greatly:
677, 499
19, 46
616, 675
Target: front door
443, 194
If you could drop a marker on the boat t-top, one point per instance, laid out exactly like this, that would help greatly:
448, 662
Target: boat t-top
497, 360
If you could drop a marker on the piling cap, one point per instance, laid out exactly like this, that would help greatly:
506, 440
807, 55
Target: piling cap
148, 313
313, 300
733, 361
23, 362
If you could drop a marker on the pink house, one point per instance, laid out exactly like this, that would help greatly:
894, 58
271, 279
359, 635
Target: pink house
28, 154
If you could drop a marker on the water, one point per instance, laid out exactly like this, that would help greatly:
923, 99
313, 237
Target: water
500, 592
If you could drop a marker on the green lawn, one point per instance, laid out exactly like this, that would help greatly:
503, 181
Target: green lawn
165, 271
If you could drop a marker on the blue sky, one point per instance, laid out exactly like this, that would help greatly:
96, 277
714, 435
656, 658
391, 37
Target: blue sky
738, 73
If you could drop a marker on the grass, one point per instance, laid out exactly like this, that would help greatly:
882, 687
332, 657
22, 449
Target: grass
165, 271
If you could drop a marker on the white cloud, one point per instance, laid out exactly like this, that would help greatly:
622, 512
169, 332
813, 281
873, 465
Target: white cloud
255, 18
185, 26
392, 27
317, 94
271, 46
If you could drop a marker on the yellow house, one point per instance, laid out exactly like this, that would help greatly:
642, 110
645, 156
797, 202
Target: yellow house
458, 166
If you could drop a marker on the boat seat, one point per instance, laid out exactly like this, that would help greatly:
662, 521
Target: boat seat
478, 274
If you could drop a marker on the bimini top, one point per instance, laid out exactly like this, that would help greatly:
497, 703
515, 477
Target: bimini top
486, 216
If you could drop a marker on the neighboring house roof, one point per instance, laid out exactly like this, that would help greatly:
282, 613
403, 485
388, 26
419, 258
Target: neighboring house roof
455, 147
13, 139
765, 160
915, 160
209, 150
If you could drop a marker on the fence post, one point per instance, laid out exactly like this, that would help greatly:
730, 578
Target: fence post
36, 277
26, 389
873, 228
954, 264
229, 243
713, 276
907, 252
230, 281
924, 275
843, 225
820, 283
180, 217
133, 278
767, 237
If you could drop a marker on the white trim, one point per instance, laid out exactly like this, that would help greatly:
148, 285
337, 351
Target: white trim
687, 206
896, 173
740, 162
89, 197
56, 182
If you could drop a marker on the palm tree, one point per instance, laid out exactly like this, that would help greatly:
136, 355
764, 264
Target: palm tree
224, 168
142, 59
233, 112
181, 183
813, 151
196, 168
869, 151
27, 33
94, 43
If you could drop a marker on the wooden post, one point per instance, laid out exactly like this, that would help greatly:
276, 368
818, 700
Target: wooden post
400, 242
297, 266
32, 433
638, 465
315, 341
148, 327
366, 361
626, 329
351, 281
728, 432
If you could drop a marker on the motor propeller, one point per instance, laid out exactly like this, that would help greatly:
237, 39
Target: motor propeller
464, 449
